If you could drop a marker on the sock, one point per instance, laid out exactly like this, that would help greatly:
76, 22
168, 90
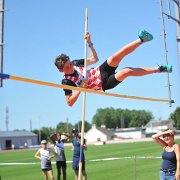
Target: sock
140, 40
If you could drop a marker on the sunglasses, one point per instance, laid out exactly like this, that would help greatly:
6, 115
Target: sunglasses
167, 135
62, 64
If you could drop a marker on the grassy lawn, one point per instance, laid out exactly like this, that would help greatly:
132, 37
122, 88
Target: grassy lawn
123, 169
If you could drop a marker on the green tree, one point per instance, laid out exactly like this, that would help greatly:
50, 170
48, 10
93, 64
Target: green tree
44, 133
140, 118
78, 125
113, 118
175, 116
125, 118
64, 127
106, 117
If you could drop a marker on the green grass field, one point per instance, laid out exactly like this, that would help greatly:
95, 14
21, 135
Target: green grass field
122, 169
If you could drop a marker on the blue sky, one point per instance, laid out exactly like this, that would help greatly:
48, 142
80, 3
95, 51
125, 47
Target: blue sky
37, 31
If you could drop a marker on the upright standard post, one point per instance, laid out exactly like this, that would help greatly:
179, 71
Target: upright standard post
165, 52
177, 17
169, 8
84, 102
134, 167
1, 38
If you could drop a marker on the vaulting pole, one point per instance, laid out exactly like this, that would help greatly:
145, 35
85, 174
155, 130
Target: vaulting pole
84, 101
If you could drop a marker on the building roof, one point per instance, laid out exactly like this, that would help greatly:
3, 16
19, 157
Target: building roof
154, 123
105, 131
117, 130
16, 134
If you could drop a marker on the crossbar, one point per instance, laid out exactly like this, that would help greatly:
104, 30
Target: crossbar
44, 83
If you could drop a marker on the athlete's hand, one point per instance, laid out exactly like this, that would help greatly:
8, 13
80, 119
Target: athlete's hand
84, 83
87, 37
171, 132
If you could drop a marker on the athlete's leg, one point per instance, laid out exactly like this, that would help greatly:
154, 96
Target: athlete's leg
129, 71
115, 59
45, 174
51, 174
84, 175
64, 173
58, 167
76, 174
58, 173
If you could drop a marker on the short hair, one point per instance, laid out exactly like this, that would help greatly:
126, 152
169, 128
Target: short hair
61, 60
75, 130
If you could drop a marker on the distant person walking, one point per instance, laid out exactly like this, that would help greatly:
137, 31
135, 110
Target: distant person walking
44, 154
170, 167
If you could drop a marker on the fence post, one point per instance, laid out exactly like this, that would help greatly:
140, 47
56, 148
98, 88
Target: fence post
134, 167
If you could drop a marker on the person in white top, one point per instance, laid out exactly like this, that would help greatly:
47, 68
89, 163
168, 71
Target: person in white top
45, 154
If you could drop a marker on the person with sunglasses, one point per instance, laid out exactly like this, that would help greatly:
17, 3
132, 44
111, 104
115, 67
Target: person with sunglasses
170, 167
102, 77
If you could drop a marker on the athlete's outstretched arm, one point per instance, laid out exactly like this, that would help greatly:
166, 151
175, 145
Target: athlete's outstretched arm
93, 55
72, 98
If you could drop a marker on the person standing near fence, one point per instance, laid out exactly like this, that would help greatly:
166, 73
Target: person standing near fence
170, 167
45, 154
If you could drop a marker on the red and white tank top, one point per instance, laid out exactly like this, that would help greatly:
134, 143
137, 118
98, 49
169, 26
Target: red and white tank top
93, 76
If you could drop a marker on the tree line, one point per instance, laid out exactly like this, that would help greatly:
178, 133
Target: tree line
121, 118
111, 118
62, 127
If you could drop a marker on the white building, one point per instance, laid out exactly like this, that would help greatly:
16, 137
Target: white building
98, 134
129, 133
101, 134
155, 126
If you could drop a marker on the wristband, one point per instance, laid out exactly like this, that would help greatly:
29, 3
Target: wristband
91, 44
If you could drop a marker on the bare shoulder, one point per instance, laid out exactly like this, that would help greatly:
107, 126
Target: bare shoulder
176, 148
40, 149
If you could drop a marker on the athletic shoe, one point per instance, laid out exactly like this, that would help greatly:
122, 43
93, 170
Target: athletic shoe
145, 36
167, 68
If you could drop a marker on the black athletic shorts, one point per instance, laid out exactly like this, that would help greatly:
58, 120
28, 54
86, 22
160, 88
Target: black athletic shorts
60, 164
47, 169
108, 76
